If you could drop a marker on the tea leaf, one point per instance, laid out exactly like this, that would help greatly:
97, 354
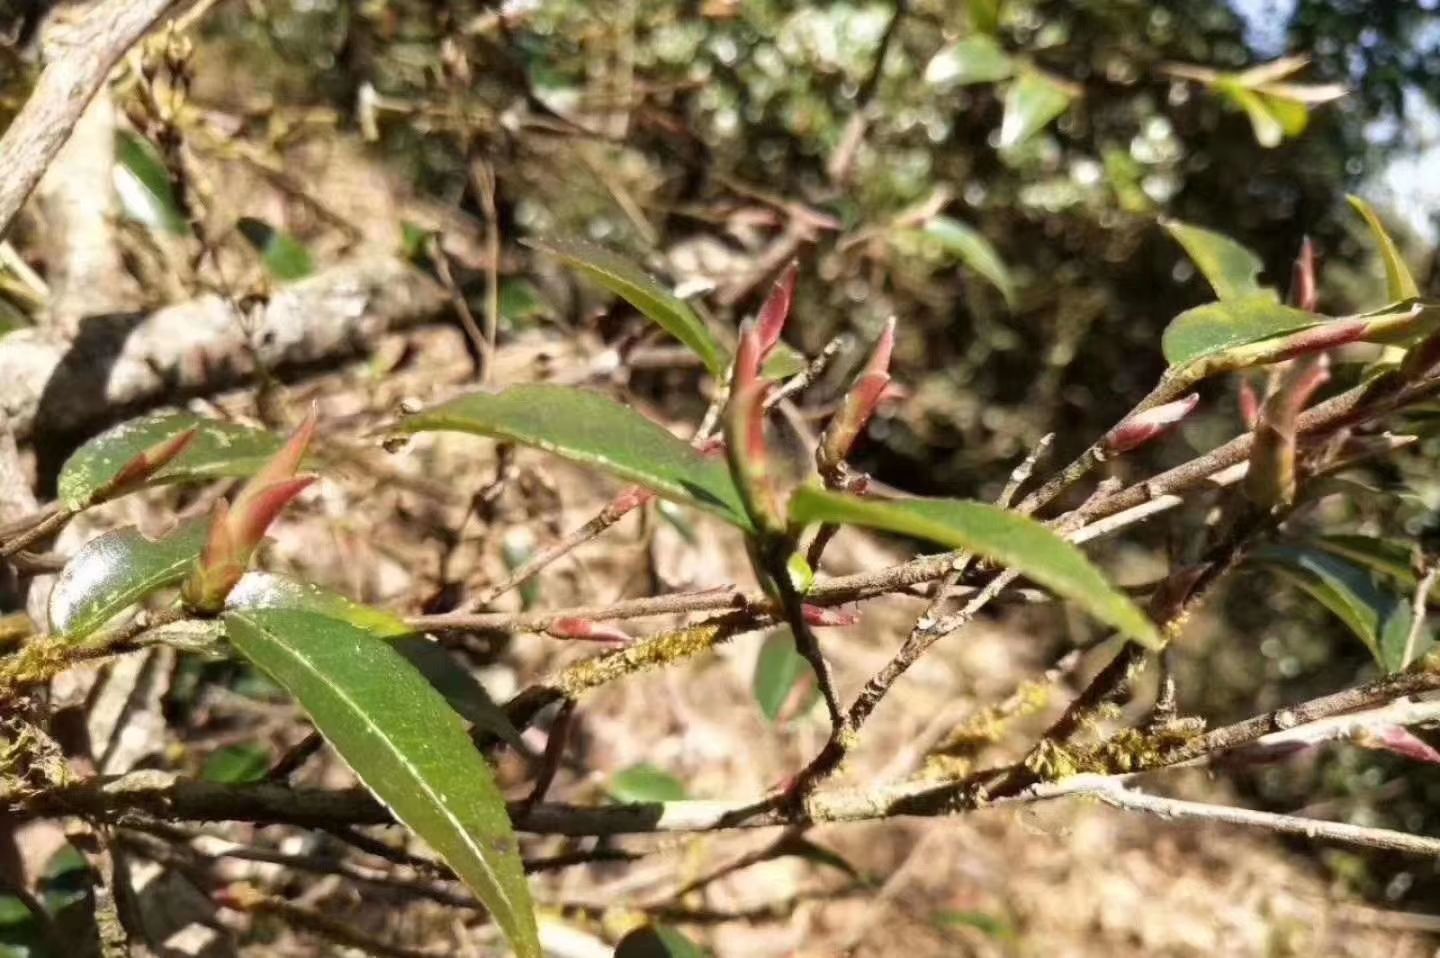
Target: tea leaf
1032, 101
285, 257
143, 185
593, 430
404, 743
1232, 270
975, 59
1216, 327
645, 783
639, 289
1002, 537
1399, 284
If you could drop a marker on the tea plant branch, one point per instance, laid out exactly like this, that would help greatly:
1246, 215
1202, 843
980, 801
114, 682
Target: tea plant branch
77, 68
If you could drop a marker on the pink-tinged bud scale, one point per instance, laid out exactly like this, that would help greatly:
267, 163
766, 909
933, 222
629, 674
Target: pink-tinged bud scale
1304, 287
1148, 425
859, 404
148, 463
776, 310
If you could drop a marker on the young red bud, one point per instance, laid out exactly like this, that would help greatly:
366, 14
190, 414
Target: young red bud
859, 404
237, 529
823, 616
776, 309
744, 424
1304, 293
135, 472
1400, 740
572, 628
284, 464
1145, 426
628, 500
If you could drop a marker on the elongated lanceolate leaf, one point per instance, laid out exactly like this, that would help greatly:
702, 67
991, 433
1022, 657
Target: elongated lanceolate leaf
1216, 327
265, 590
594, 430
116, 570
1231, 269
406, 745
639, 289
1013, 541
971, 248
1399, 284
219, 450
143, 185
1032, 101
1379, 617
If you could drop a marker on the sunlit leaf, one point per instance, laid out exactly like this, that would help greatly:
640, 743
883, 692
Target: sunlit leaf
1380, 618
1292, 115
116, 570
1231, 269
1216, 327
1399, 284
285, 257
988, 925
645, 783
984, 14
219, 450
236, 764
593, 430
143, 185
975, 59
265, 590
639, 289
1031, 102
1269, 131
971, 248
778, 670
1005, 538
404, 743
657, 941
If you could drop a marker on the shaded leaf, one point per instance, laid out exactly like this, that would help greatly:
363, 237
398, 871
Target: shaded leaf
1231, 269
1032, 101
657, 941
264, 590
1380, 618
1389, 557
645, 783
971, 248
1399, 284
236, 764
594, 430
783, 362
778, 670
116, 570
143, 185
219, 450
984, 14
404, 743
639, 289
1002, 537
285, 257
1216, 327
975, 59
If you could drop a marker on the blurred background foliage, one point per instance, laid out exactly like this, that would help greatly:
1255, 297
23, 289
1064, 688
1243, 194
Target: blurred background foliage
713, 139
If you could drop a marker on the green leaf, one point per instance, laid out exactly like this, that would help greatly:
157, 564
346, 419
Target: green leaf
1379, 618
285, 257
1269, 130
264, 590
1232, 270
970, 247
1292, 115
1032, 101
236, 764
988, 925
1399, 284
1002, 537
219, 450
657, 941
114, 571
984, 14
645, 783
1391, 558
777, 671
975, 59
783, 362
593, 430
143, 185
1216, 327
639, 289
405, 744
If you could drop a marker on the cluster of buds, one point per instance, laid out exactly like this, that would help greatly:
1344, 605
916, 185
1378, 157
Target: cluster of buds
238, 528
856, 409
